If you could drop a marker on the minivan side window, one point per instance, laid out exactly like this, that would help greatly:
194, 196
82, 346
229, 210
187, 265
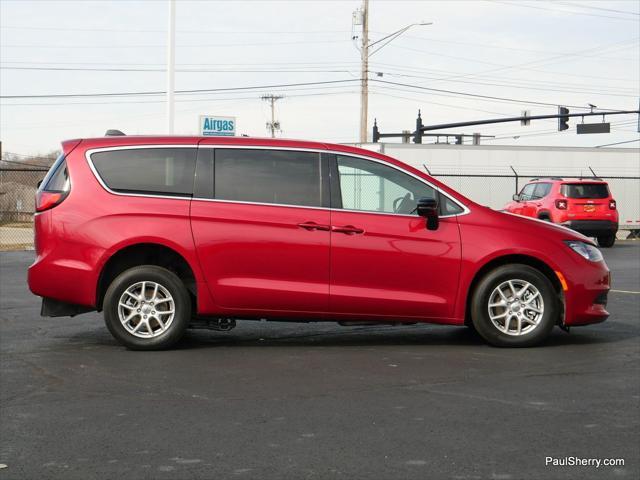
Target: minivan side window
282, 177
372, 187
164, 171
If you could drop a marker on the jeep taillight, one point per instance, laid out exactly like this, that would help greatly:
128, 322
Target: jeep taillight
612, 204
561, 204
55, 187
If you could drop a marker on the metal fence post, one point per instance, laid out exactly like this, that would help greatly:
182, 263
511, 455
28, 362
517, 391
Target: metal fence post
516, 176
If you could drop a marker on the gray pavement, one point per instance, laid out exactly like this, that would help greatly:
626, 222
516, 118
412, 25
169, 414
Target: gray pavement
315, 401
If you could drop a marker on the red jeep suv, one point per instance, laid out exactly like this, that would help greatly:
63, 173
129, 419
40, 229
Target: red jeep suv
169, 233
584, 205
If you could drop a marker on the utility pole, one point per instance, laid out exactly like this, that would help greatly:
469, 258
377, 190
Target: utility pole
171, 66
361, 17
273, 125
364, 74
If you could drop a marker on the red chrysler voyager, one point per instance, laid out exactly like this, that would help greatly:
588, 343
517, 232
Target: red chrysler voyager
169, 233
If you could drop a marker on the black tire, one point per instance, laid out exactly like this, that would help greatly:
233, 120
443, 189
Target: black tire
480, 309
607, 241
163, 277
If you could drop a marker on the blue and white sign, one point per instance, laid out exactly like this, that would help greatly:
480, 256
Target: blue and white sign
213, 126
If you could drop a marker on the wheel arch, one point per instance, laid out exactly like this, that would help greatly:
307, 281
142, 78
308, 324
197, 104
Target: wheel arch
544, 215
145, 253
496, 262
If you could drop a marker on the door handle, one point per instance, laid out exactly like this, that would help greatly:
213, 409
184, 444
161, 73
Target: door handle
314, 226
347, 230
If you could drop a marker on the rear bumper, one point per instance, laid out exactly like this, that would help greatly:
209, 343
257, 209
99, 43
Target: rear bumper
592, 228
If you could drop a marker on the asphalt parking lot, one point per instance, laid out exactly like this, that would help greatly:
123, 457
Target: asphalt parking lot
319, 401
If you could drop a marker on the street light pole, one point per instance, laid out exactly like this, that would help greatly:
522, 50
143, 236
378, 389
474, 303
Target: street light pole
171, 66
364, 58
364, 74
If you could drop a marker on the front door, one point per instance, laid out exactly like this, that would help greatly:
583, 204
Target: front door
263, 236
384, 262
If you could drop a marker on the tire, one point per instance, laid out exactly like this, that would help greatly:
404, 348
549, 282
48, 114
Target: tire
158, 329
534, 327
607, 241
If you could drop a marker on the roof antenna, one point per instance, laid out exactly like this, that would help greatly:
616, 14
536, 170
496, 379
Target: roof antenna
114, 133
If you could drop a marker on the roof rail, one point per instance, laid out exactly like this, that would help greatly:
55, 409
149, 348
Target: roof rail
546, 178
114, 133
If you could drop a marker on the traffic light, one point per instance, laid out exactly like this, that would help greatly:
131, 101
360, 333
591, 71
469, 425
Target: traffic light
563, 118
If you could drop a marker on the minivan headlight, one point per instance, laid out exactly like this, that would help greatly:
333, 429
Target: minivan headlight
585, 250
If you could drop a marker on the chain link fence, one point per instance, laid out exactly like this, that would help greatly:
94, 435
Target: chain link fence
17, 206
496, 190
18, 187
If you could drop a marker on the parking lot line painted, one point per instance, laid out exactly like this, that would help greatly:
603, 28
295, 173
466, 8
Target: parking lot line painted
625, 291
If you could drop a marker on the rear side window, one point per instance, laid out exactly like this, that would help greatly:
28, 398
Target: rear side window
585, 190
541, 190
165, 171
268, 176
57, 180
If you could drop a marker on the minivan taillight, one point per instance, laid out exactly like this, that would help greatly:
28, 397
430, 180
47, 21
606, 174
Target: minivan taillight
612, 204
47, 200
561, 204
55, 187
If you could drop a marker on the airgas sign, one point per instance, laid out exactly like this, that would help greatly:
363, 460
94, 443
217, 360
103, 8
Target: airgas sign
211, 126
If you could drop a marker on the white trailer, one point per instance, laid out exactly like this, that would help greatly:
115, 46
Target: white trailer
487, 173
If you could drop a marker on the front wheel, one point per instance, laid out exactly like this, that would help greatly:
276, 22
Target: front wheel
607, 241
147, 308
514, 306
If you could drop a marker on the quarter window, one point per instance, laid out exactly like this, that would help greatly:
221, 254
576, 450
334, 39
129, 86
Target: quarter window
57, 180
541, 190
373, 187
166, 171
268, 176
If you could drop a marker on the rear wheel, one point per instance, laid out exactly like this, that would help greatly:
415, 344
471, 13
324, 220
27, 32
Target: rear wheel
147, 308
607, 241
514, 306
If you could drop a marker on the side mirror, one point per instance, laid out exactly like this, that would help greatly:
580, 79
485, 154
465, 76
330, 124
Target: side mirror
38, 185
428, 208
516, 197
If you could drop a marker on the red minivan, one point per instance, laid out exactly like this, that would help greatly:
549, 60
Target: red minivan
169, 233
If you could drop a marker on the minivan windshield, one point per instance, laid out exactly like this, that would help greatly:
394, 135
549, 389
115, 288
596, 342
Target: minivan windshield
585, 190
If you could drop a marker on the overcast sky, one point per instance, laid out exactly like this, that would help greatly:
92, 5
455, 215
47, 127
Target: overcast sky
559, 53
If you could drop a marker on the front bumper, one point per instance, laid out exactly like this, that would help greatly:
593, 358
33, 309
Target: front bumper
586, 297
592, 228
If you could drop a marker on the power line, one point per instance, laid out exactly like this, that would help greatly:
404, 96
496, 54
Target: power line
511, 85
571, 4
221, 32
160, 92
571, 12
466, 94
201, 45
617, 143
